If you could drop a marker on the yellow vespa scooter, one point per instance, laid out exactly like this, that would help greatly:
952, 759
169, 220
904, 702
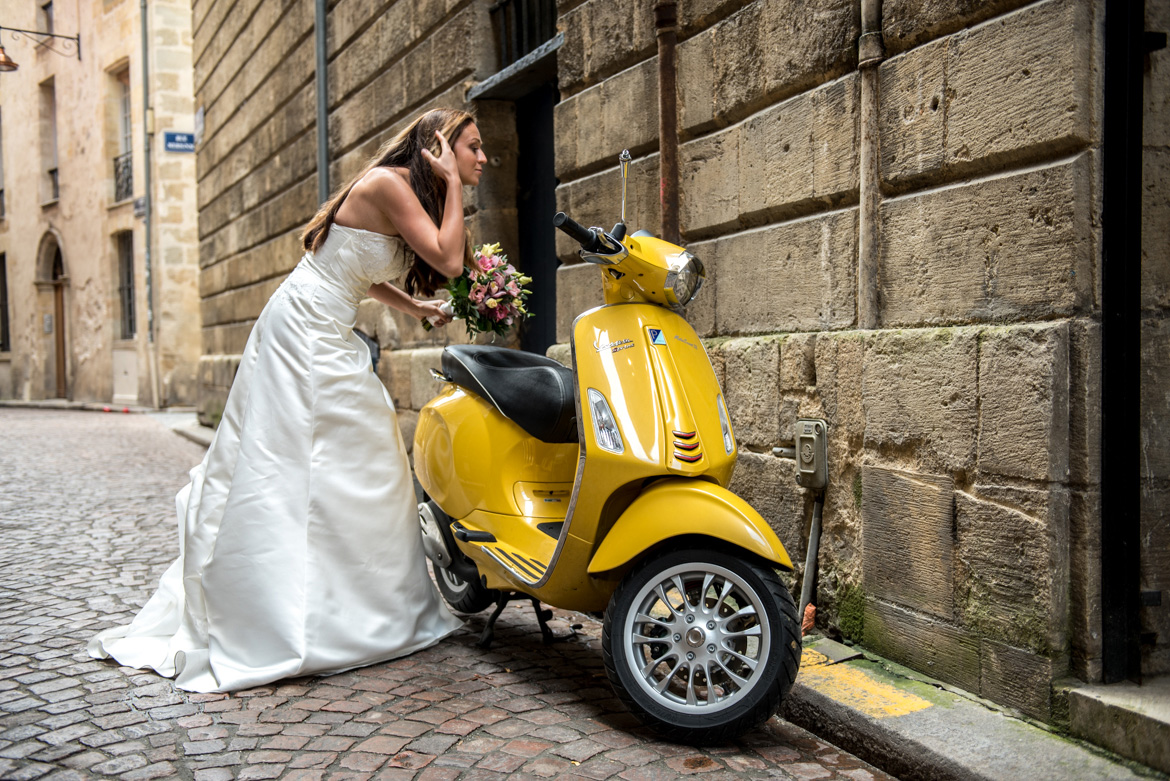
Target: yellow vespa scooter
603, 487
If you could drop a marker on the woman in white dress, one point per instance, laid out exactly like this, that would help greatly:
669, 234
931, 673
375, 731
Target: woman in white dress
299, 544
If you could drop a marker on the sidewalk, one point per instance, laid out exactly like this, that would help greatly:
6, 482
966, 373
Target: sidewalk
916, 728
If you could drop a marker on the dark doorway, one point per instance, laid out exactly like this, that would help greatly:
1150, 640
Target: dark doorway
59, 321
536, 203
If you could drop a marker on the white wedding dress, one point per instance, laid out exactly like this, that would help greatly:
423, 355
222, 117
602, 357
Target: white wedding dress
299, 544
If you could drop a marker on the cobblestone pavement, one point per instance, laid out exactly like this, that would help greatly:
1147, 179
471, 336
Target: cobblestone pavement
87, 527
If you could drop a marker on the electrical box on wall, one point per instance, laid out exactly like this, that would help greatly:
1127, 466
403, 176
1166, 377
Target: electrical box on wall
812, 461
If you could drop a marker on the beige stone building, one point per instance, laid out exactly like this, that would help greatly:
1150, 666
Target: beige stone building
902, 207
76, 180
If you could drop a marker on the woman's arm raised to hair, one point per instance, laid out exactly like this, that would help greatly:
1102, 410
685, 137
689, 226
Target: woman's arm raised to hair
442, 246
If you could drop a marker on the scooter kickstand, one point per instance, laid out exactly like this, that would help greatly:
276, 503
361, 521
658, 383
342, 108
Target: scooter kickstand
542, 617
489, 630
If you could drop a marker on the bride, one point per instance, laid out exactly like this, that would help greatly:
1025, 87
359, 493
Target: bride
299, 545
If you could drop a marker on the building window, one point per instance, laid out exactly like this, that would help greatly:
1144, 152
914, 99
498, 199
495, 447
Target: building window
521, 26
126, 282
5, 336
124, 162
46, 16
52, 186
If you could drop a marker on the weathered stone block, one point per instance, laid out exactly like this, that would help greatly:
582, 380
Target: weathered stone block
629, 114
1023, 81
578, 289
1011, 248
1084, 404
1017, 678
797, 276
1155, 574
1084, 520
752, 382
1156, 225
839, 361
394, 369
375, 321
561, 353
907, 545
707, 179
912, 112
938, 649
800, 155
919, 396
1023, 392
797, 362
615, 40
565, 137
740, 76
907, 23
696, 82
407, 425
768, 484
1011, 565
424, 387
808, 43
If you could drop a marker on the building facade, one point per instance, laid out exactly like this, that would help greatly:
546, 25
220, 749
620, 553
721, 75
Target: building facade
73, 236
900, 208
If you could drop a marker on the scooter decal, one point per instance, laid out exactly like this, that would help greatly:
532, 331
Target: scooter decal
620, 344
657, 337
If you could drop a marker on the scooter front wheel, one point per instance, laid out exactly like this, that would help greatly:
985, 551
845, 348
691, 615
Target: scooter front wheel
701, 645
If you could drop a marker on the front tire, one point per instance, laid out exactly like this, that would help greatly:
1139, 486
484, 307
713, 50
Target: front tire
701, 645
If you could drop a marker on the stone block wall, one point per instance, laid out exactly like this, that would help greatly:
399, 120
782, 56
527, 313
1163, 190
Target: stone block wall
1155, 349
960, 533
388, 61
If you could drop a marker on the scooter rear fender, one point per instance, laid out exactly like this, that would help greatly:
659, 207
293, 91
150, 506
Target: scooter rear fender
677, 507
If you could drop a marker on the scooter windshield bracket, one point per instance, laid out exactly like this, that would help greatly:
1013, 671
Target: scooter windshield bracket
610, 253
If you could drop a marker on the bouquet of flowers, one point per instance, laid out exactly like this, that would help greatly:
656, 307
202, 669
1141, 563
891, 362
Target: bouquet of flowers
491, 296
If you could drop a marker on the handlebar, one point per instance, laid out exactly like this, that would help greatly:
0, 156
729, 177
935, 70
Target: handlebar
586, 237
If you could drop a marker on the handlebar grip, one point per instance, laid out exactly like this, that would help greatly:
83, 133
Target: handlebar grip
583, 236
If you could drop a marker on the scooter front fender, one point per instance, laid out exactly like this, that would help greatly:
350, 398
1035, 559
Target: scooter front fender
677, 507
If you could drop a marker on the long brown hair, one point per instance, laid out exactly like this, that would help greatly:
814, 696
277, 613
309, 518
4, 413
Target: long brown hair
405, 151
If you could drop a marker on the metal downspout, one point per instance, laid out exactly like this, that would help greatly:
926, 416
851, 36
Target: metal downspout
148, 207
322, 105
666, 29
870, 53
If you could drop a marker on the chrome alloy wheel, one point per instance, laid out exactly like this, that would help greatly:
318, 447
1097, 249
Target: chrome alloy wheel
697, 638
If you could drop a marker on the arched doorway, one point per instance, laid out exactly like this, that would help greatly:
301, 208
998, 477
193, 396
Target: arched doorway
51, 283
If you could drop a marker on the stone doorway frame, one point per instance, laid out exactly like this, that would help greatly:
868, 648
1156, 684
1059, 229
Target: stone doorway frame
52, 277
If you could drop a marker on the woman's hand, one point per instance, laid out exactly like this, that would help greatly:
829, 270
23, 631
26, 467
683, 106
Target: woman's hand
444, 166
433, 312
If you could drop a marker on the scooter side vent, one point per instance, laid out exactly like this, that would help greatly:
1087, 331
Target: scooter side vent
685, 450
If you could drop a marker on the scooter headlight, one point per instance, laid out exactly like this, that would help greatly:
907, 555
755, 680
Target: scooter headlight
684, 279
604, 426
725, 424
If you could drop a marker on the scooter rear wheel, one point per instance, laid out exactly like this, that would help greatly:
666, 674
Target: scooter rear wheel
461, 595
701, 645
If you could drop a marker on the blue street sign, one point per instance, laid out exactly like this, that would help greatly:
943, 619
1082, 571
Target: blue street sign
179, 142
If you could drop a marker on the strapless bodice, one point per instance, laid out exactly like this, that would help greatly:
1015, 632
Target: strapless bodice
352, 259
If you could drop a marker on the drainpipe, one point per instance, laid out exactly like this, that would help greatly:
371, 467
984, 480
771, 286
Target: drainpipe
666, 29
148, 213
870, 53
322, 105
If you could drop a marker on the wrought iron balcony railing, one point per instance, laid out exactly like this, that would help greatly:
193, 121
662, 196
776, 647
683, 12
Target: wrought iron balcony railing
521, 26
124, 177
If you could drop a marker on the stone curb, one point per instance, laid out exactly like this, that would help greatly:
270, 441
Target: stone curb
915, 728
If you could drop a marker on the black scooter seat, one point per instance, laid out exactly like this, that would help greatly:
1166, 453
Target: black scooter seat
534, 392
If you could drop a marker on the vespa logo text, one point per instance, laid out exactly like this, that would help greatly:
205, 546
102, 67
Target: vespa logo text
684, 341
620, 344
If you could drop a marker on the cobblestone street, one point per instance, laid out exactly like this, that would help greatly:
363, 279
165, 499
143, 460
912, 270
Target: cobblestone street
87, 527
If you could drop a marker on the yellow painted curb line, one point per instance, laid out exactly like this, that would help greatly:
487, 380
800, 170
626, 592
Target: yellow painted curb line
855, 688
